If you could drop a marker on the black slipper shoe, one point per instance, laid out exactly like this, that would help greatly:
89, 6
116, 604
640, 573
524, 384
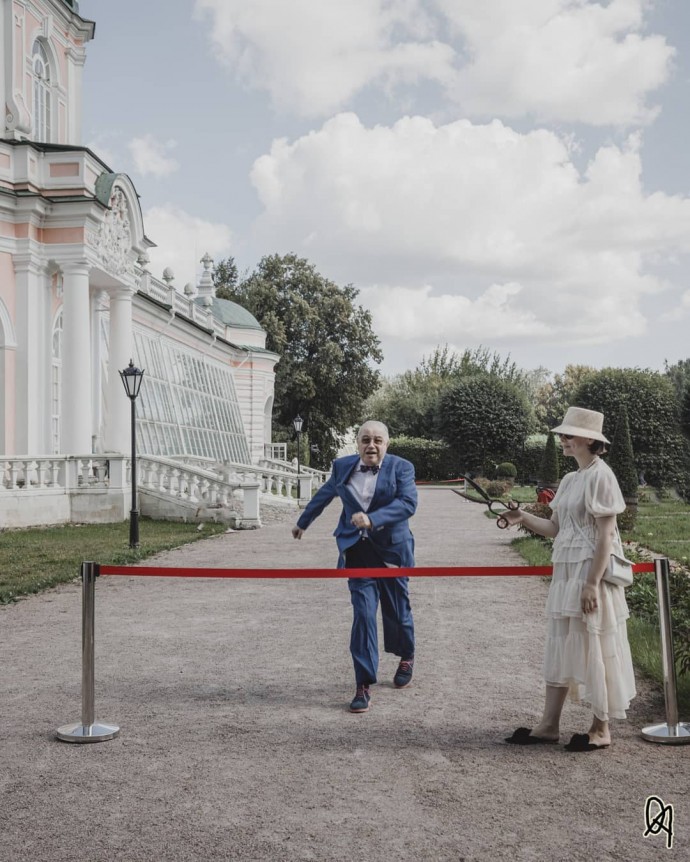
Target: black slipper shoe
580, 742
522, 737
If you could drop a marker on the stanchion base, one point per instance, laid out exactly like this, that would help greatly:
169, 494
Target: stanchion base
669, 734
87, 732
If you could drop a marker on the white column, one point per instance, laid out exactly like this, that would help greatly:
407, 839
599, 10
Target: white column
32, 428
99, 307
121, 350
77, 413
75, 65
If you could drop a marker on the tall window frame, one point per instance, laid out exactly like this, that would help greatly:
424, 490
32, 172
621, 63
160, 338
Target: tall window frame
43, 101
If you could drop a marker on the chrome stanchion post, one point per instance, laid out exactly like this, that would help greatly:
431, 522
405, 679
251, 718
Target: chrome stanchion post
672, 732
87, 730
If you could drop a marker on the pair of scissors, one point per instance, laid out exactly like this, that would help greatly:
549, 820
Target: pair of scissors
491, 502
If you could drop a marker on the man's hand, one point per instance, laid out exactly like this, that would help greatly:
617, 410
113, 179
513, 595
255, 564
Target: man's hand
297, 533
361, 521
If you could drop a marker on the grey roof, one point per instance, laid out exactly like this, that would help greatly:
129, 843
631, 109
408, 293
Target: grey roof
231, 314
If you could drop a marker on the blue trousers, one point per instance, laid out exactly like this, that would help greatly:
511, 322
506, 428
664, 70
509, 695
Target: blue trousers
366, 594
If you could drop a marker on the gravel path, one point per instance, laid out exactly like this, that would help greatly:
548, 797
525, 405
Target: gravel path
236, 742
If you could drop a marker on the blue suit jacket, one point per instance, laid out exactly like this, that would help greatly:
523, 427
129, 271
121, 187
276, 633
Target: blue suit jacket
394, 501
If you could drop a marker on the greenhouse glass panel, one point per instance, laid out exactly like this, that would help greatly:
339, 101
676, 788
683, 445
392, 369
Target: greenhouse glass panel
182, 392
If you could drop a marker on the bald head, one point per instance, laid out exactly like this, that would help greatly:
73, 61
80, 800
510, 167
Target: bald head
372, 442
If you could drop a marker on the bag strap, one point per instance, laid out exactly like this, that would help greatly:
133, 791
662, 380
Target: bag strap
616, 541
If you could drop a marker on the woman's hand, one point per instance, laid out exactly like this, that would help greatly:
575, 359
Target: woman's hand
589, 600
512, 516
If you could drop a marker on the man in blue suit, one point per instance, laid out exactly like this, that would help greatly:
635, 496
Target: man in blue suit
379, 495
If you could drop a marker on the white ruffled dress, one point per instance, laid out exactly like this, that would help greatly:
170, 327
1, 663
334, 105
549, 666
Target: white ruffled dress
588, 653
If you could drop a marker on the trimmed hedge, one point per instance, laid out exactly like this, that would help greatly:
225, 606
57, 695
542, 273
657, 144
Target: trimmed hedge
432, 459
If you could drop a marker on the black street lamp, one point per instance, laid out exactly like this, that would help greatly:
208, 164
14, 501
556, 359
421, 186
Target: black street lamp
131, 380
297, 425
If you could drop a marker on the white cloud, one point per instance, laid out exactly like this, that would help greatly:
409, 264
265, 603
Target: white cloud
150, 156
313, 57
474, 228
182, 240
415, 314
569, 60
680, 311
572, 60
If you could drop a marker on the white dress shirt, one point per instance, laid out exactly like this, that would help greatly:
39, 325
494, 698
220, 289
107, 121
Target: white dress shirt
363, 485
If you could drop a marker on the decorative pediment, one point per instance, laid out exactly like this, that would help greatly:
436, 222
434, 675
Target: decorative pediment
115, 236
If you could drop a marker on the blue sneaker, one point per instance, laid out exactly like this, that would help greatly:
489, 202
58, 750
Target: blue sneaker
361, 699
403, 675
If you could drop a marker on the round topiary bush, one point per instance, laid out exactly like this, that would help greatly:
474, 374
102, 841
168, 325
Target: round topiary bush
506, 471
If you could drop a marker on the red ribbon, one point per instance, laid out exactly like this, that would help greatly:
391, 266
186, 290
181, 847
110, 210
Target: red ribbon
421, 571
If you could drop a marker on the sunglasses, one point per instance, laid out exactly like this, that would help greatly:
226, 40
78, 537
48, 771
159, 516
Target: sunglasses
566, 436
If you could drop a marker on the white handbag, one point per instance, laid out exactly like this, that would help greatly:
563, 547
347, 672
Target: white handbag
619, 570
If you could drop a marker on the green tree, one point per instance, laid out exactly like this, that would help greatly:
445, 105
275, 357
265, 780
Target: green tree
325, 341
679, 375
530, 457
485, 418
225, 278
650, 397
408, 403
549, 471
553, 398
448, 365
621, 459
685, 410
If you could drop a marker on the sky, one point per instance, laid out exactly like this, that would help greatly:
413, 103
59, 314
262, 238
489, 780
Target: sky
514, 175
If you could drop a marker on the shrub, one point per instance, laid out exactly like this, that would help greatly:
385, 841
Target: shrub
621, 459
506, 470
548, 470
485, 418
627, 519
498, 489
529, 458
657, 440
541, 510
432, 459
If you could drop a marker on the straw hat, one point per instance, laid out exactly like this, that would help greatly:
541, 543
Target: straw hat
582, 423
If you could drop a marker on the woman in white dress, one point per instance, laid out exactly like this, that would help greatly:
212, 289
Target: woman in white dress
587, 652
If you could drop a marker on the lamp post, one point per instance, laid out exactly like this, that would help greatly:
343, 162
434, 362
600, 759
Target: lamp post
297, 425
131, 380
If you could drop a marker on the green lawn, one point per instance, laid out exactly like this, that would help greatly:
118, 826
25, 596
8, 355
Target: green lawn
33, 559
664, 527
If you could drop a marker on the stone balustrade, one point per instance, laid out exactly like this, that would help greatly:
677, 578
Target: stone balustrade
96, 488
52, 489
196, 488
28, 473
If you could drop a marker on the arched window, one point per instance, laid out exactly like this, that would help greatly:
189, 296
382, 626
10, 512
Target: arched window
42, 100
56, 385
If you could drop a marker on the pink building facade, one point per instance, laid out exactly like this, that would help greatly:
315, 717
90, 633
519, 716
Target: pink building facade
77, 301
